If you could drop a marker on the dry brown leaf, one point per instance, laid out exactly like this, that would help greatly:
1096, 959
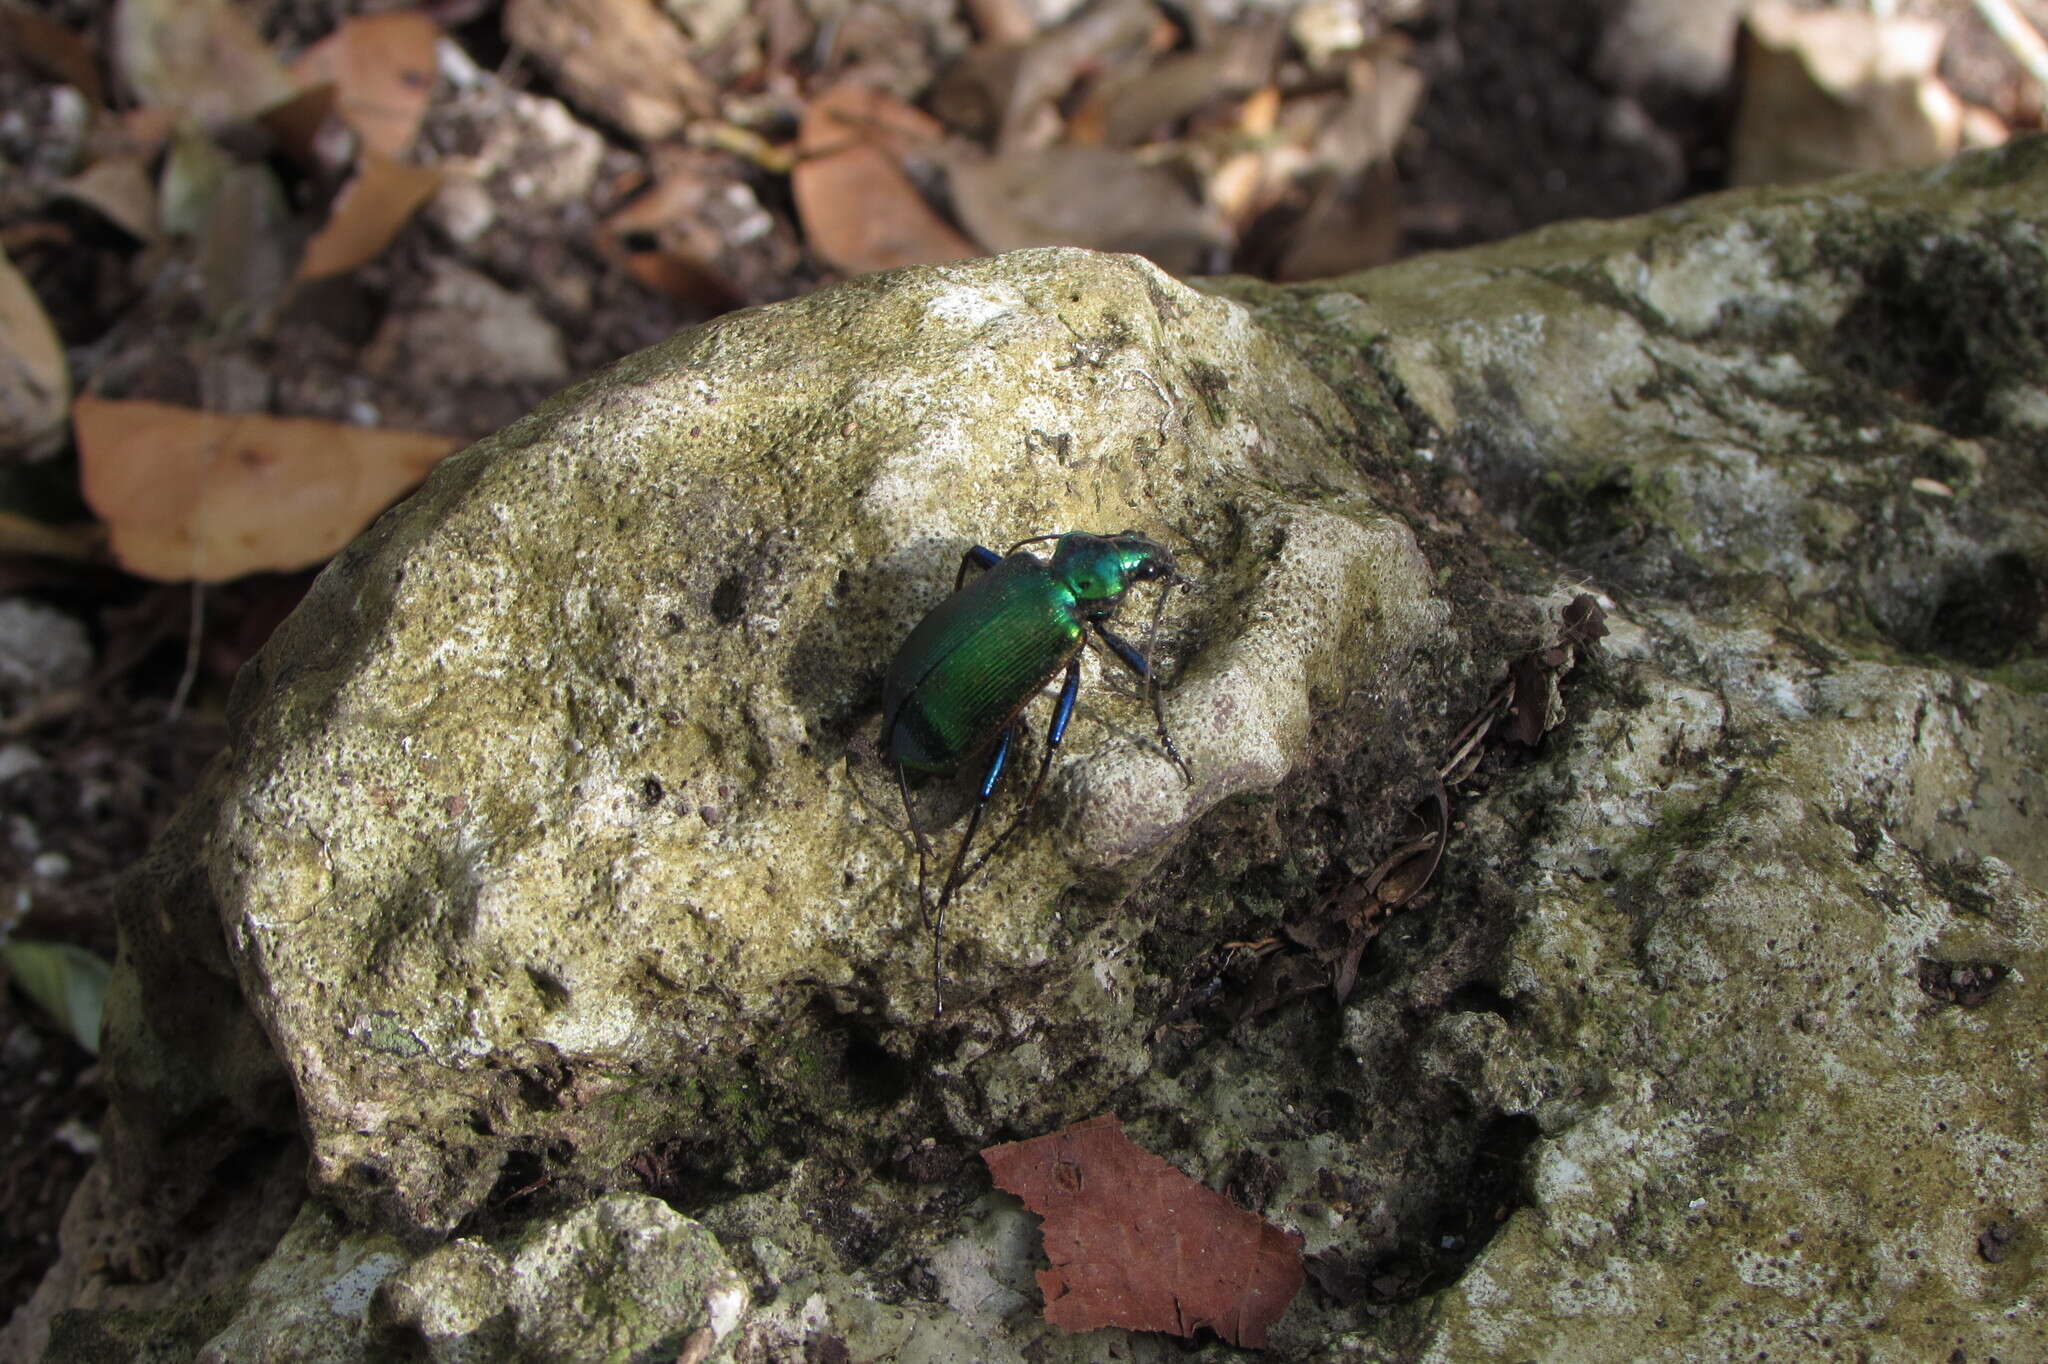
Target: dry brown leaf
1836, 90
1003, 92
382, 70
379, 200
143, 132
35, 383
1135, 1243
859, 211
187, 494
118, 188
298, 125
1384, 91
663, 238
1135, 107
623, 59
1096, 197
21, 535
202, 58
52, 49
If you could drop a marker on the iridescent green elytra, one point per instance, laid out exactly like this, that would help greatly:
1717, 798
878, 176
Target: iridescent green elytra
958, 684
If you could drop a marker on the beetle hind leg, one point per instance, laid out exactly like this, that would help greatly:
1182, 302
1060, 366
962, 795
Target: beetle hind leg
1063, 712
954, 876
923, 844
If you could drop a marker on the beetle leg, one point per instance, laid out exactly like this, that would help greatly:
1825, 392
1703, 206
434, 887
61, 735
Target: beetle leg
1062, 713
924, 845
977, 556
1142, 666
996, 764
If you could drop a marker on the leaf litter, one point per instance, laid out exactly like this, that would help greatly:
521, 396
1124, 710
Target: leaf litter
1323, 948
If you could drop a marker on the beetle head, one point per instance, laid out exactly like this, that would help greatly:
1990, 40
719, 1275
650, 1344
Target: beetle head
1100, 569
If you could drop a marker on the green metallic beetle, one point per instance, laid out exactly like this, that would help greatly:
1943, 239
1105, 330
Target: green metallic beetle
960, 682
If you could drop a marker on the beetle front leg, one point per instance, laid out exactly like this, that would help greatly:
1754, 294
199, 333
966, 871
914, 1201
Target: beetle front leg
1136, 661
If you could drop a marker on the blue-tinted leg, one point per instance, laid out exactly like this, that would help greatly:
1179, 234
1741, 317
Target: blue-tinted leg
996, 763
1126, 651
1062, 712
977, 556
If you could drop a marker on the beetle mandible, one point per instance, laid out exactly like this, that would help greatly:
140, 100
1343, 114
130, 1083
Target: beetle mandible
963, 677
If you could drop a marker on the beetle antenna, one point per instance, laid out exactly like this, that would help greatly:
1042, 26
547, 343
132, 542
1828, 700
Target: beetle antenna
1152, 676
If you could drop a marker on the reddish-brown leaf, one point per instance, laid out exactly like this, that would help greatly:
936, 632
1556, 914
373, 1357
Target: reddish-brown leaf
212, 495
1135, 1243
52, 49
859, 210
367, 214
382, 68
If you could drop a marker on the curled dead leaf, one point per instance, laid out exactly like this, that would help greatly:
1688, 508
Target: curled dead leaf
859, 209
1132, 108
382, 70
35, 383
1834, 90
1135, 1243
187, 494
623, 58
203, 58
379, 200
1005, 93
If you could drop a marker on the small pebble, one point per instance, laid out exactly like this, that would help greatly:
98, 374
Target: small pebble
22, 1047
15, 759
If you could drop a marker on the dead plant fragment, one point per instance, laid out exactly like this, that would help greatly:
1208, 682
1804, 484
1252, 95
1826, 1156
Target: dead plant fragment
1322, 948
1135, 1243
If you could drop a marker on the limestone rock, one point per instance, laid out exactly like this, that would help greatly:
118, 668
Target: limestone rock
624, 1277
543, 798
549, 860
